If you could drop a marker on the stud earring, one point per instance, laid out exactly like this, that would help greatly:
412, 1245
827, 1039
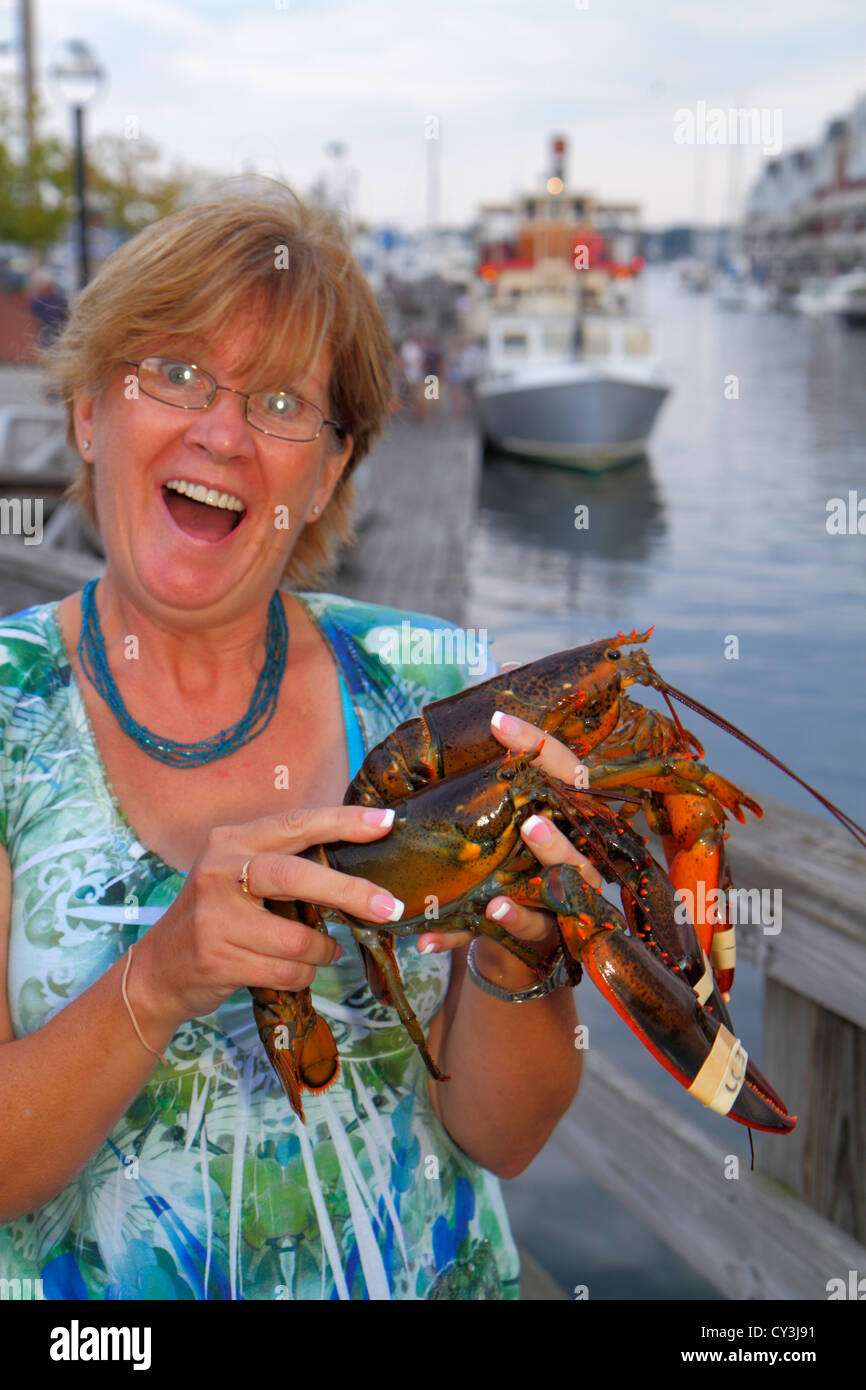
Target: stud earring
85, 443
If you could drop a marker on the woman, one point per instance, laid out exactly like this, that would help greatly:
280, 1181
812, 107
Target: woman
165, 761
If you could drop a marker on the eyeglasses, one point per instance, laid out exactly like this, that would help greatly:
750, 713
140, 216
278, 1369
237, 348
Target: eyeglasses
279, 413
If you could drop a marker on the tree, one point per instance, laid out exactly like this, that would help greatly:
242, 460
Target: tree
35, 188
126, 185
123, 184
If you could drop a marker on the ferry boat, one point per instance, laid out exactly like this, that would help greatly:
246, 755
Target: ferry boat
590, 405
571, 377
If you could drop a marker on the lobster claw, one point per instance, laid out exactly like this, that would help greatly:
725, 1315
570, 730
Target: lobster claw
660, 1006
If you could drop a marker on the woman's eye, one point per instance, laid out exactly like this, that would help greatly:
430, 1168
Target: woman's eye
282, 405
179, 373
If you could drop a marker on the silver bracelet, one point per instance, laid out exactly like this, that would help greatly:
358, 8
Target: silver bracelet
556, 977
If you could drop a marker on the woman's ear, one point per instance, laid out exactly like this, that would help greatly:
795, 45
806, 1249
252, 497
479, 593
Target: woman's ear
333, 464
82, 414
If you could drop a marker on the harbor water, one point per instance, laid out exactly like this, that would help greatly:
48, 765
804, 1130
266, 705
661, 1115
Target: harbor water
720, 538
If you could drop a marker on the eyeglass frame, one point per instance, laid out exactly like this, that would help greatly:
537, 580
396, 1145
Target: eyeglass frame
245, 395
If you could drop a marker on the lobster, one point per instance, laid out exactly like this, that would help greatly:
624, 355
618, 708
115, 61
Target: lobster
458, 810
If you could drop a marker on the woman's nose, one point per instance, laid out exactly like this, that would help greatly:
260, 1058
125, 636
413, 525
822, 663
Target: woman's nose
221, 428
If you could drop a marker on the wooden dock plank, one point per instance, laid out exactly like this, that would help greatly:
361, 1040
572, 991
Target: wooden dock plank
747, 1235
424, 489
820, 871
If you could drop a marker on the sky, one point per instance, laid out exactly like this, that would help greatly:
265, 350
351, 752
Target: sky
232, 85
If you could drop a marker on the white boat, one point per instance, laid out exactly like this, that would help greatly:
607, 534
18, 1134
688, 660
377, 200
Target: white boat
570, 378
812, 298
846, 296
580, 392
735, 295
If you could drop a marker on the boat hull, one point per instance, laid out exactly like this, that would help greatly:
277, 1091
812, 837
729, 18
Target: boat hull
590, 424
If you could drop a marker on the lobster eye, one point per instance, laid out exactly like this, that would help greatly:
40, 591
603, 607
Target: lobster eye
612, 654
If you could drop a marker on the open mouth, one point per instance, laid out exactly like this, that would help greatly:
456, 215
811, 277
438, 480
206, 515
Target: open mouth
201, 512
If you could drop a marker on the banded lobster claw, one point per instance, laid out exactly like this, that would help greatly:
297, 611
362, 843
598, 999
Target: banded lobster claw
658, 1004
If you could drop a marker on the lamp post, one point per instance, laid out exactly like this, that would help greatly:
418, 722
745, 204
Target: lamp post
79, 78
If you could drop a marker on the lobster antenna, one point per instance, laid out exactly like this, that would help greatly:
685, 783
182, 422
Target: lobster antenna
618, 795
685, 735
842, 816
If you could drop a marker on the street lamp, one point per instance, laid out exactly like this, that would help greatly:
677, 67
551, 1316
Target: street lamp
79, 77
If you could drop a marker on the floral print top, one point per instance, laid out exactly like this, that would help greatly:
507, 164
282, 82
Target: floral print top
209, 1187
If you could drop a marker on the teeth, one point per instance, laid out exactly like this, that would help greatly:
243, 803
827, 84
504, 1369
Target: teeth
209, 495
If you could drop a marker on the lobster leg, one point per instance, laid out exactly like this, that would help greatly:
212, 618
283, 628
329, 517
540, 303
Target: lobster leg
383, 971
657, 1003
672, 775
378, 947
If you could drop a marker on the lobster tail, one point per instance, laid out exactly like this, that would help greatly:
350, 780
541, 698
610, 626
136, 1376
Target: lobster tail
299, 1044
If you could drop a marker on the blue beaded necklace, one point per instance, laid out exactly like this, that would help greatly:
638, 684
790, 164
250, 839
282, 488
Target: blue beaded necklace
94, 662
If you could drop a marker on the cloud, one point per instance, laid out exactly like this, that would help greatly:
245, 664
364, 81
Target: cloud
228, 85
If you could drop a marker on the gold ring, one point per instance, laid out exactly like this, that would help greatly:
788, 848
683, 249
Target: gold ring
244, 879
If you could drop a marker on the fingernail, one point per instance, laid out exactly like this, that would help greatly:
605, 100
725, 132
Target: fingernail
537, 829
379, 816
390, 909
337, 954
429, 949
501, 912
505, 723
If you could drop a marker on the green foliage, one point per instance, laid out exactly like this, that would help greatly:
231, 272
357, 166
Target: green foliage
126, 185
37, 186
34, 189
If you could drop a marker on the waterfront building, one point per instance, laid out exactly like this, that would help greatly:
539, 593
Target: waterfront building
806, 212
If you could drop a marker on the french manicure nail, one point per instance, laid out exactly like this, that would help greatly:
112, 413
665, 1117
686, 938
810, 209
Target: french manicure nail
429, 948
379, 816
501, 912
505, 723
389, 908
537, 829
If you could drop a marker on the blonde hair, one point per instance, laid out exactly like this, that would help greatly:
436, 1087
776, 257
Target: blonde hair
188, 275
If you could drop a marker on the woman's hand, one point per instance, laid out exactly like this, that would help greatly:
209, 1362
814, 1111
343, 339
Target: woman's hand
216, 938
547, 843
514, 1070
